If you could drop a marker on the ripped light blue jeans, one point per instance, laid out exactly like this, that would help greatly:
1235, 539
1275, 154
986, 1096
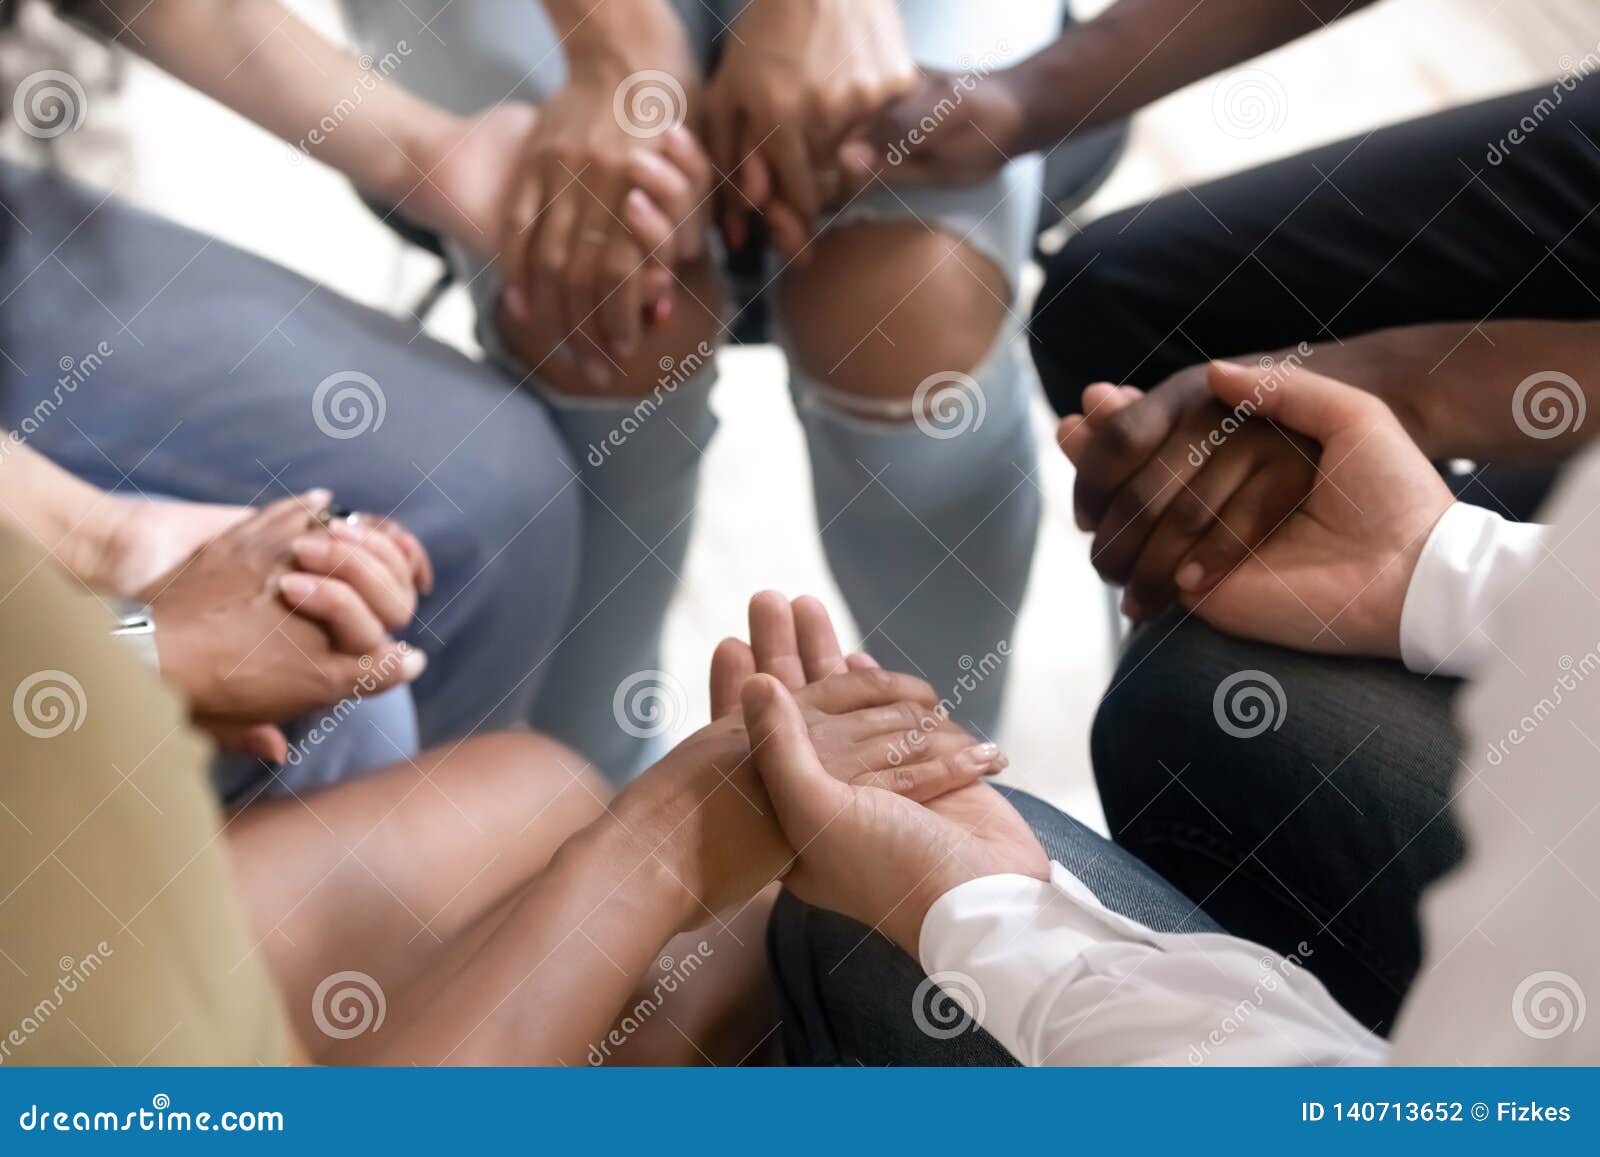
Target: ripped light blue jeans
929, 526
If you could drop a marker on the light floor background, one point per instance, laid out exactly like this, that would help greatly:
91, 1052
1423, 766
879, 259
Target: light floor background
186, 157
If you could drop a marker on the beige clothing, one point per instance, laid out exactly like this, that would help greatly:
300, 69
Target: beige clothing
121, 937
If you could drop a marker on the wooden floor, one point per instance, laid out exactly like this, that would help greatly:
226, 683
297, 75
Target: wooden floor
1397, 59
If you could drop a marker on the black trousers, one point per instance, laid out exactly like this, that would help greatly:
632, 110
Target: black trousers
1327, 829
1433, 220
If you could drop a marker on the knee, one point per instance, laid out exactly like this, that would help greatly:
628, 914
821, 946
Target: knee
882, 307
532, 777
1156, 721
1084, 328
686, 338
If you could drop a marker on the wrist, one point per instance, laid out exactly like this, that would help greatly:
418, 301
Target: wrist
641, 874
90, 536
1045, 84
608, 40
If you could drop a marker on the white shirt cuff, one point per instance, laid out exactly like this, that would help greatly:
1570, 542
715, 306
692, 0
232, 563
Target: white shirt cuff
1058, 979
1471, 562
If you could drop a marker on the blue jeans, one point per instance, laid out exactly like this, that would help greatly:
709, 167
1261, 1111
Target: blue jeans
912, 524
847, 992
147, 358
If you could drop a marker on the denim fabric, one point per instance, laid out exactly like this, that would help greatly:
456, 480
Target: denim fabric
1321, 830
912, 524
207, 389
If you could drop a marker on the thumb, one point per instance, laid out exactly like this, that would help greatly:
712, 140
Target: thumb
1291, 395
805, 795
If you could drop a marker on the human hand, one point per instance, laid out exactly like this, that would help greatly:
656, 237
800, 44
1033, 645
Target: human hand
702, 811
799, 78
1333, 578
605, 195
976, 118
1159, 474
251, 641
149, 538
880, 858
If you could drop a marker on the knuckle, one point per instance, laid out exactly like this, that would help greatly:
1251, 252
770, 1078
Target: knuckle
1189, 514
879, 682
1144, 491
1127, 432
904, 780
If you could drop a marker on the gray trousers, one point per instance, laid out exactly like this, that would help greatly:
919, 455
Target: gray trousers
146, 357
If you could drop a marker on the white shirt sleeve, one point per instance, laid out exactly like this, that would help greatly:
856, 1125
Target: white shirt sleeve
1059, 979
1471, 563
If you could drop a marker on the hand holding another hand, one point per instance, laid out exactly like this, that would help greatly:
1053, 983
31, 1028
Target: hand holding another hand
275, 616
1330, 574
1165, 474
703, 813
800, 79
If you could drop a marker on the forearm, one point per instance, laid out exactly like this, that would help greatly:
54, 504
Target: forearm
553, 977
1455, 385
65, 515
1140, 50
606, 40
268, 65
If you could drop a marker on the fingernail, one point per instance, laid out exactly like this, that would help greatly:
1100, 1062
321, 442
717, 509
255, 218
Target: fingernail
297, 588
414, 663
319, 498
984, 759
1190, 575
1082, 520
341, 528
1131, 607
598, 373
516, 302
